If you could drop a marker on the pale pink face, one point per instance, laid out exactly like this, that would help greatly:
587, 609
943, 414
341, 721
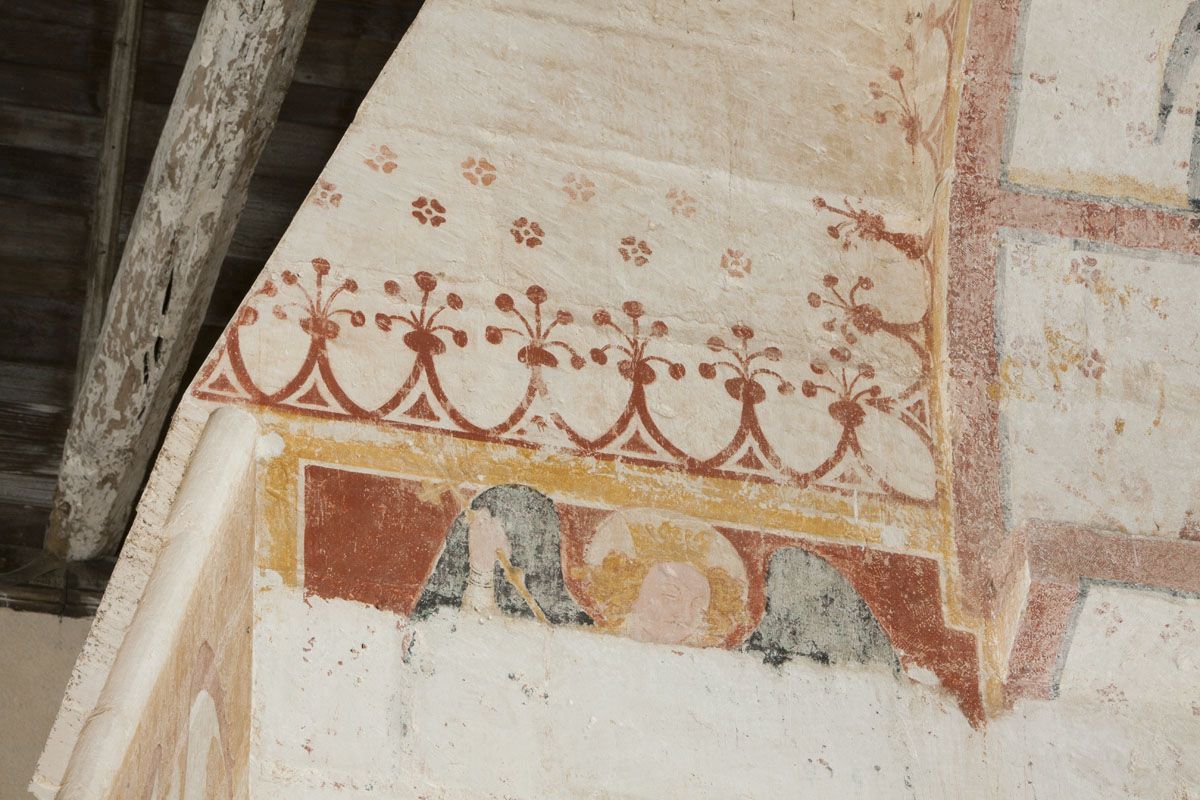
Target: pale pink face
671, 607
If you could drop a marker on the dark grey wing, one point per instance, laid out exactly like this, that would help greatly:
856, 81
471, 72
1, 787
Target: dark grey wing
813, 612
534, 534
1183, 53
448, 581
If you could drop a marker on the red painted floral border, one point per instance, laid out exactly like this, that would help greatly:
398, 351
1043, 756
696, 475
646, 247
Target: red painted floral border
846, 382
744, 367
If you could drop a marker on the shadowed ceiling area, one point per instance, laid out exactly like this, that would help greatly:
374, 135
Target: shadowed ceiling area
54, 74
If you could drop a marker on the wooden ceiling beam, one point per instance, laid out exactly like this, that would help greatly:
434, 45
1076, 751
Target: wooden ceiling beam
105, 228
224, 108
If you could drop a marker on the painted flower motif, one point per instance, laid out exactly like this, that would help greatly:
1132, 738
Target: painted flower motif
870, 227
428, 209
735, 263
865, 317
423, 335
1092, 365
535, 330
636, 366
746, 383
1183, 625
682, 203
478, 171
847, 406
383, 159
1190, 529
316, 313
248, 314
905, 112
527, 232
1086, 272
325, 194
578, 187
1112, 619
635, 250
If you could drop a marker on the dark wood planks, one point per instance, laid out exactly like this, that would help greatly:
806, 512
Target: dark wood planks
104, 224
53, 67
220, 119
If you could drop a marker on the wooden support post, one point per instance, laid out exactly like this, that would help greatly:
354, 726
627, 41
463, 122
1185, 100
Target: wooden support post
105, 228
228, 98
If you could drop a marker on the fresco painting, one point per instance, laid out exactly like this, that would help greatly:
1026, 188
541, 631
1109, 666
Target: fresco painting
1098, 391
709, 414
664, 578
568, 312
801, 353
779, 348
174, 720
203, 765
814, 612
502, 554
429, 547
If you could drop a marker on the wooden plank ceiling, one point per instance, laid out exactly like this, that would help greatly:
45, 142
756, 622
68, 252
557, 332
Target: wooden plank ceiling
53, 67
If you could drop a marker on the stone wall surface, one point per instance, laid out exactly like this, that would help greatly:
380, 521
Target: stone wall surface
413, 711
173, 718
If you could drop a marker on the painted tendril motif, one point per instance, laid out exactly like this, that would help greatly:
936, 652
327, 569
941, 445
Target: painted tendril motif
749, 372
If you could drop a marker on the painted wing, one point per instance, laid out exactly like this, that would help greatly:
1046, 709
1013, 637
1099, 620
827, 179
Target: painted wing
1179, 62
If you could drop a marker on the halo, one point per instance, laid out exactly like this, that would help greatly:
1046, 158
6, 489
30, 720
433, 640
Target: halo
628, 543
689, 536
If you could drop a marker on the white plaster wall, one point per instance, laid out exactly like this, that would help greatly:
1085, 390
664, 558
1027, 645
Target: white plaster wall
1089, 81
1101, 410
353, 702
1136, 650
37, 652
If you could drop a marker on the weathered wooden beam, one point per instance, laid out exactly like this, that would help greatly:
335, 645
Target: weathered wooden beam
228, 98
105, 228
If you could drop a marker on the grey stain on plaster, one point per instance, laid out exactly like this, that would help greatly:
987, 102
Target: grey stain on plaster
813, 612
